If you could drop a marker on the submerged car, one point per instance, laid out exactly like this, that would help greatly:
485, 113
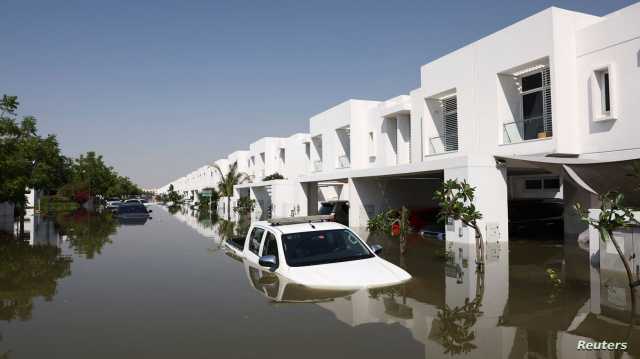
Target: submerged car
113, 205
132, 210
316, 253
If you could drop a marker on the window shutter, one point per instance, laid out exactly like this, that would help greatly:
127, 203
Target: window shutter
546, 103
450, 122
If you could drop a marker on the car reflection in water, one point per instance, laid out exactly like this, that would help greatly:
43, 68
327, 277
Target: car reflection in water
129, 221
280, 289
133, 214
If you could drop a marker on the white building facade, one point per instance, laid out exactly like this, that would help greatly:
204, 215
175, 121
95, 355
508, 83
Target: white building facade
556, 87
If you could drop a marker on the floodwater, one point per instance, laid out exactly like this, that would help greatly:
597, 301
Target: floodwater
87, 286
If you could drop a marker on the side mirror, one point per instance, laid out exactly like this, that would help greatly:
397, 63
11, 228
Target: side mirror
269, 261
376, 248
149, 211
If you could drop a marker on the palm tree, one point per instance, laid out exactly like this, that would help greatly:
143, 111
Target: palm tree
228, 181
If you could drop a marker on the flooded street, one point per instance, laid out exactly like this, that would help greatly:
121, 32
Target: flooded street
165, 288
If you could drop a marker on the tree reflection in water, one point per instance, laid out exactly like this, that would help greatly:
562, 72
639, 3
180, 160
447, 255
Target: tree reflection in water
27, 272
87, 232
456, 324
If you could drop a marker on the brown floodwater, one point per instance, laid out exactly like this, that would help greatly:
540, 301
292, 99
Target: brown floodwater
88, 286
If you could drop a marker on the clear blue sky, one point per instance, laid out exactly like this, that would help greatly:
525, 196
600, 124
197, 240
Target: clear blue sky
162, 87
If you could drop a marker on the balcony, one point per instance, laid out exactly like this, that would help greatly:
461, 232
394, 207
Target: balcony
525, 130
317, 166
344, 162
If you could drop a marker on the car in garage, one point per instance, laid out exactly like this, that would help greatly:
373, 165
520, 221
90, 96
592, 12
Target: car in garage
338, 209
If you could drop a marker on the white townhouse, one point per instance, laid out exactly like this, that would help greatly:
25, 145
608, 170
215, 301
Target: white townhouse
289, 157
521, 113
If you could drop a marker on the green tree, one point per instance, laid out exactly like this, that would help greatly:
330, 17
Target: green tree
613, 215
26, 159
455, 200
90, 168
245, 205
228, 181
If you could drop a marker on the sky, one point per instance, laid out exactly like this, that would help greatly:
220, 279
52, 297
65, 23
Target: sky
160, 88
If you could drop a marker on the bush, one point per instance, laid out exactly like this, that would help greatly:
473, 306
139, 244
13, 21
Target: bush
273, 176
245, 205
382, 221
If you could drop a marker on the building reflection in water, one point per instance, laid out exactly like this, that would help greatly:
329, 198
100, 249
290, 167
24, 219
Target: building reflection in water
534, 300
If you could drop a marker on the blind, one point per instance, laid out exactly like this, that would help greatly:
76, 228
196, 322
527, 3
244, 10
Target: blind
546, 100
450, 122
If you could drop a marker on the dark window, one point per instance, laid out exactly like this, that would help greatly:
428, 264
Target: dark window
532, 105
607, 98
326, 208
533, 184
270, 247
320, 247
532, 82
551, 183
254, 240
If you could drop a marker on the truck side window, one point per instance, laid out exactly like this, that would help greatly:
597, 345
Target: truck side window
270, 245
254, 240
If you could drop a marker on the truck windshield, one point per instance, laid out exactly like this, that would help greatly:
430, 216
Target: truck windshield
320, 247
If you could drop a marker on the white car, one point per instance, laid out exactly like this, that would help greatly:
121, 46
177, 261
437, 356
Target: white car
323, 255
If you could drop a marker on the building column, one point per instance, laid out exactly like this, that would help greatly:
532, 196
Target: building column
490, 182
309, 198
574, 228
404, 139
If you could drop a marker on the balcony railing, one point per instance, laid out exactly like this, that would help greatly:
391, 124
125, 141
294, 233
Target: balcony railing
317, 166
524, 130
344, 162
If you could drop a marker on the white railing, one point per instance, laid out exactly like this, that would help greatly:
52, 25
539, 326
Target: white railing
317, 166
524, 130
344, 162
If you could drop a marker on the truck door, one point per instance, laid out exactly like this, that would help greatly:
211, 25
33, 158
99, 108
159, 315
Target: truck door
255, 240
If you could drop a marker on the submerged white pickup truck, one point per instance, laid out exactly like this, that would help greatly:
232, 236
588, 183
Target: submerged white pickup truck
316, 253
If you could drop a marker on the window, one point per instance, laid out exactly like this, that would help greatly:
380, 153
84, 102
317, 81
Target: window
535, 89
371, 149
533, 184
603, 82
450, 122
270, 247
320, 247
542, 184
254, 240
551, 183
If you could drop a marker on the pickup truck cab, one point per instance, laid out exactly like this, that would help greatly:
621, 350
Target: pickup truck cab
316, 254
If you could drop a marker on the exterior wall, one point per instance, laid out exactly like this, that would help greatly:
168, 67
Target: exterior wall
263, 155
474, 73
613, 42
352, 114
242, 158
296, 161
